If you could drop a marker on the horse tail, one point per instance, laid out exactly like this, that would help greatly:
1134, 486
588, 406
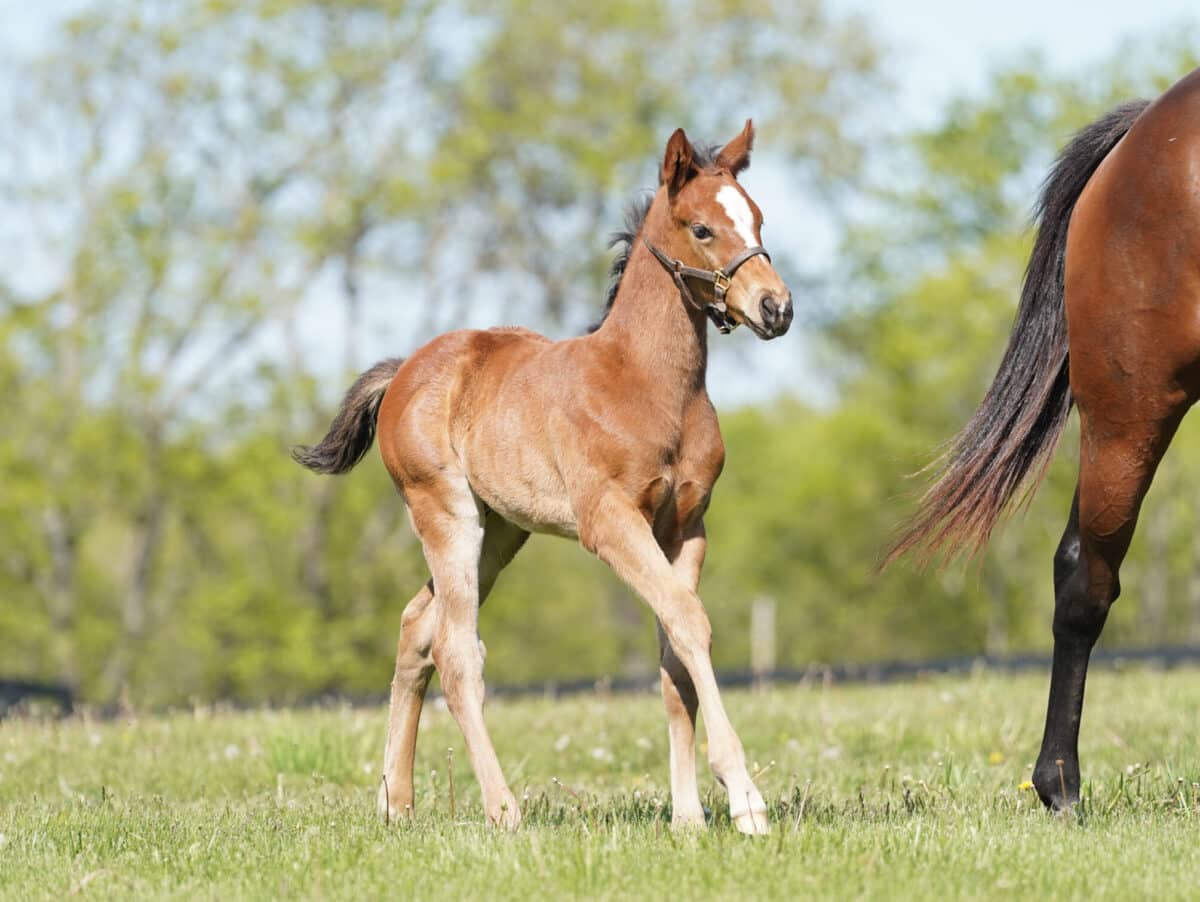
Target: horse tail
1010, 439
353, 429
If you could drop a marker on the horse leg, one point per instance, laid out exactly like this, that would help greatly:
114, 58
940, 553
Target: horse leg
620, 536
1117, 464
414, 665
451, 523
679, 695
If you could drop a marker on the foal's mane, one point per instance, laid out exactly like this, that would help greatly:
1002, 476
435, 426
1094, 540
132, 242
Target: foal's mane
705, 156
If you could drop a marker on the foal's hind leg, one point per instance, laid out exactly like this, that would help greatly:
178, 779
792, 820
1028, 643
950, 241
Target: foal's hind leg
1117, 464
679, 694
414, 665
620, 536
451, 524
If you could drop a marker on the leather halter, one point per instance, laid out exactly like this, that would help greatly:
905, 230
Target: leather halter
721, 279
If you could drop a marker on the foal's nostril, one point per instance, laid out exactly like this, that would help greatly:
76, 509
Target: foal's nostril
770, 310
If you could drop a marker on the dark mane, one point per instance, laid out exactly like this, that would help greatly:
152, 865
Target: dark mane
635, 215
705, 156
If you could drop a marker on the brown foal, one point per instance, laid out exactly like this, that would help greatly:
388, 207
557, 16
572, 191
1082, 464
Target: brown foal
609, 438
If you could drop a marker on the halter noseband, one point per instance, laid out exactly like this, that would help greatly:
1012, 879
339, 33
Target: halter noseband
721, 279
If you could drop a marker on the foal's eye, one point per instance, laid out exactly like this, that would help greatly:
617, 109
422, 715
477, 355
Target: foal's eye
701, 232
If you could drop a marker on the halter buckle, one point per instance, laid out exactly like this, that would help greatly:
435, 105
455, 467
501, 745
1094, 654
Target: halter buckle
721, 282
719, 314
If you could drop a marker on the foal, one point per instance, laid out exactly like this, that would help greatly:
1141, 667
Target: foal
609, 438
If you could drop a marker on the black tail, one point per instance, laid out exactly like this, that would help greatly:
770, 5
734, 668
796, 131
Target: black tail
1015, 429
353, 429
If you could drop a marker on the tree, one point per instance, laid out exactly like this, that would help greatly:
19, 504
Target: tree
207, 183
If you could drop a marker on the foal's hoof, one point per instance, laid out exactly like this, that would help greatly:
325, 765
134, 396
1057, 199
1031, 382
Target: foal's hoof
685, 822
390, 812
752, 823
507, 817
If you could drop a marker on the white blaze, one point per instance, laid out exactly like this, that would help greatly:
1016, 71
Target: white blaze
738, 212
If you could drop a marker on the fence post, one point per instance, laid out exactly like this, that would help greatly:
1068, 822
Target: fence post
762, 640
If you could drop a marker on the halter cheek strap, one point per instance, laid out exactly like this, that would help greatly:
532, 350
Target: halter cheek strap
721, 279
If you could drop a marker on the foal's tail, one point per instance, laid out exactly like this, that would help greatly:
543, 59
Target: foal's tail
353, 429
1015, 429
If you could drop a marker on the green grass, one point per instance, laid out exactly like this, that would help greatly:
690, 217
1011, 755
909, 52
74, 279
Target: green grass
896, 792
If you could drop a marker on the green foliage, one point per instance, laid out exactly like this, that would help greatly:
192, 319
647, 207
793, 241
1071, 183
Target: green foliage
225, 175
225, 172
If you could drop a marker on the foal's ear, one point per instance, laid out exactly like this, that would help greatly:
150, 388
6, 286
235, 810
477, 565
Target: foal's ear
679, 163
735, 156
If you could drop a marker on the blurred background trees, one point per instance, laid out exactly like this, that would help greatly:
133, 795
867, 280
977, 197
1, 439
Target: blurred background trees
215, 213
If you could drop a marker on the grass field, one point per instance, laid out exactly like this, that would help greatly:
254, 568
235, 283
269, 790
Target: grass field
895, 792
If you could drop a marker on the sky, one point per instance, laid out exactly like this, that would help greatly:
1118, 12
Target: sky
939, 49
945, 47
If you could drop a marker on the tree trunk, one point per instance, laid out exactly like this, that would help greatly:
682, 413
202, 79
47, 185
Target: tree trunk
59, 591
135, 601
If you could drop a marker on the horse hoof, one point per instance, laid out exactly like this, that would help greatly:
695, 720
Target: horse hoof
688, 822
752, 823
1059, 807
389, 813
508, 818
1052, 796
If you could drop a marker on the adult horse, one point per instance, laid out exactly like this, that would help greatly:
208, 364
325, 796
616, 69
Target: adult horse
609, 438
1109, 321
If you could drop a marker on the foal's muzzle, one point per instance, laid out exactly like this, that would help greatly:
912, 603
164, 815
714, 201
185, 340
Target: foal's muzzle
776, 313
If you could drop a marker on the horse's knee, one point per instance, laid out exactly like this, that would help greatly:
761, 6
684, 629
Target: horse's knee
688, 629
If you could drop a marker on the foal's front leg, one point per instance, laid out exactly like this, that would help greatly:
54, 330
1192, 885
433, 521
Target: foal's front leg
620, 536
679, 693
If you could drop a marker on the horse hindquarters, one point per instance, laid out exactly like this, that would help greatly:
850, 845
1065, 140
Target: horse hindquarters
1131, 292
